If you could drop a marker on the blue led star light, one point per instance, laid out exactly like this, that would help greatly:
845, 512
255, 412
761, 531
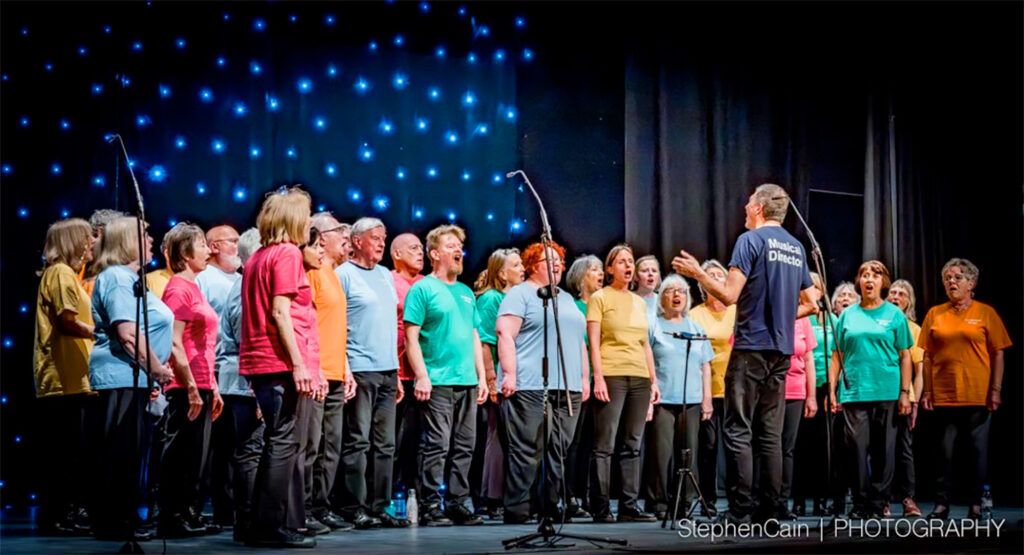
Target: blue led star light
255, 68
291, 152
240, 109
490, 216
64, 125
143, 120
157, 174
218, 146
331, 170
361, 85
164, 90
97, 89
440, 52
332, 70
496, 178
305, 85
381, 203
515, 226
354, 195
55, 168
255, 152
451, 137
466, 175
239, 194
400, 173
432, 172
180, 143
417, 212
469, 98
400, 81
422, 124
205, 95
200, 188
385, 127
320, 123
99, 181
366, 153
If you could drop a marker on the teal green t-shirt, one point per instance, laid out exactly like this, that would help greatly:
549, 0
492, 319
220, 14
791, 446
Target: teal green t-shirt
871, 341
821, 359
487, 307
447, 317
583, 308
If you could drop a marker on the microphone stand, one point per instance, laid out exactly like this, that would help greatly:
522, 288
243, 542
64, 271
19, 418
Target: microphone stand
545, 528
141, 318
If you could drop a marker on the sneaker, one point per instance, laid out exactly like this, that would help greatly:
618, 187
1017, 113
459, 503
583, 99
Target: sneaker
495, 513
910, 508
434, 517
941, 512
389, 521
728, 517
710, 512
459, 514
316, 528
632, 514
280, 538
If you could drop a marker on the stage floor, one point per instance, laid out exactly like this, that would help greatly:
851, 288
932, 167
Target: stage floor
17, 536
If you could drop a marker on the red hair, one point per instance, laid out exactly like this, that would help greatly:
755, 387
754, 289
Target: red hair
535, 252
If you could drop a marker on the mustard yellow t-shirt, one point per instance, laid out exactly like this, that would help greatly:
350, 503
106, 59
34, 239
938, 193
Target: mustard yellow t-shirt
916, 356
157, 281
719, 327
60, 362
623, 319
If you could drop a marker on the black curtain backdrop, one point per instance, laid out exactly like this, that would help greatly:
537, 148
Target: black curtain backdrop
901, 141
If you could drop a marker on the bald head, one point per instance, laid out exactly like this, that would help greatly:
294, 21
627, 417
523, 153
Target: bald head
223, 242
407, 254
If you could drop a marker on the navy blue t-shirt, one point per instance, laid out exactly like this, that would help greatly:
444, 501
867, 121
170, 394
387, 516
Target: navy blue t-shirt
776, 270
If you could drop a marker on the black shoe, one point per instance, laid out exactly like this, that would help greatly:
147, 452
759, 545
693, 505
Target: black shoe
821, 508
710, 512
203, 523
974, 513
632, 514
786, 514
939, 515
460, 515
333, 521
389, 521
860, 514
799, 509
363, 521
661, 515
515, 518
60, 527
575, 511
495, 513
280, 538
604, 517
178, 527
728, 517
434, 517
315, 527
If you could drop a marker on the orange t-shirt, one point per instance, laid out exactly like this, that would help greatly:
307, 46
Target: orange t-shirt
960, 345
332, 321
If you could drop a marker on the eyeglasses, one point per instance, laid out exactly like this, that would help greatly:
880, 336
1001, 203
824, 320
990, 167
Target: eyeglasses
556, 263
230, 240
339, 228
957, 277
673, 292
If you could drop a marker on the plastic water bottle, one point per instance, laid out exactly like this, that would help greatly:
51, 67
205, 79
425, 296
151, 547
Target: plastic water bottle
411, 509
986, 503
399, 505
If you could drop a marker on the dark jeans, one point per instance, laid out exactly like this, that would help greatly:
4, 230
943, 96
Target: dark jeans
279, 489
577, 461
369, 441
448, 421
407, 439
183, 465
311, 450
524, 423
120, 437
629, 398
325, 467
754, 395
870, 432
707, 458
64, 455
245, 431
904, 477
664, 452
970, 424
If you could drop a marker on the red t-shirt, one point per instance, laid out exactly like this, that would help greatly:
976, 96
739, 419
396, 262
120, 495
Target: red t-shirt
200, 338
271, 271
402, 286
803, 343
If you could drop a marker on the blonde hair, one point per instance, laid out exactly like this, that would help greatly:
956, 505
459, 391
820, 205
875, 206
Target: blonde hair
180, 243
911, 311
635, 284
610, 259
66, 241
284, 217
435, 235
120, 244
491, 277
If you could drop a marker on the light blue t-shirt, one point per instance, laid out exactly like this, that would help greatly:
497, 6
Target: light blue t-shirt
372, 317
215, 284
670, 361
229, 335
113, 301
522, 301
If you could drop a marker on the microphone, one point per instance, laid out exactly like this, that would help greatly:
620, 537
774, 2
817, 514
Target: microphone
512, 173
547, 292
110, 137
780, 198
688, 336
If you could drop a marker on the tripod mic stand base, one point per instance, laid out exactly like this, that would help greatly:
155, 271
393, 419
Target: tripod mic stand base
549, 538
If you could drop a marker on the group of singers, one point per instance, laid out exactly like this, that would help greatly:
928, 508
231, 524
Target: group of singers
289, 377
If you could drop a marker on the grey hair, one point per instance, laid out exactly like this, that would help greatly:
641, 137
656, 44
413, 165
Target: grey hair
248, 243
709, 263
103, 216
321, 220
966, 266
578, 270
843, 286
676, 281
773, 200
911, 310
363, 225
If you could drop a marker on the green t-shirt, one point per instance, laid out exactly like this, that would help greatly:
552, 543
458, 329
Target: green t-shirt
487, 307
871, 341
583, 308
821, 359
447, 316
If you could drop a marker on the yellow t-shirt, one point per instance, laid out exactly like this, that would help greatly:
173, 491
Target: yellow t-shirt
623, 319
916, 356
157, 281
719, 327
60, 362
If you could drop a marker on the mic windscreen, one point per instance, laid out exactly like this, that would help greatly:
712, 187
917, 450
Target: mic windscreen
510, 174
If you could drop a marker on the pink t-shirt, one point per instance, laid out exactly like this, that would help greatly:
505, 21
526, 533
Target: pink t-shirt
803, 343
200, 338
271, 271
402, 286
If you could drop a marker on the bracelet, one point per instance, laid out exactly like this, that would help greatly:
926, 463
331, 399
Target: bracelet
996, 388
907, 391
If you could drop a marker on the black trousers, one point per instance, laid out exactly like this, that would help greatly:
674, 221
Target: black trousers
754, 395
487, 473
279, 490
245, 432
904, 480
222, 448
524, 423
311, 450
870, 432
577, 462
183, 465
448, 423
328, 456
368, 446
792, 415
710, 439
63, 455
120, 437
407, 439
664, 452
627, 409
970, 424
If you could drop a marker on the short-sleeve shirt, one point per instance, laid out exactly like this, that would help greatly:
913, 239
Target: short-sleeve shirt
372, 317
332, 320
719, 327
671, 363
200, 338
487, 307
113, 301
776, 269
870, 342
803, 342
522, 301
228, 337
960, 345
822, 360
624, 327
60, 361
215, 284
157, 280
402, 286
447, 316
276, 270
